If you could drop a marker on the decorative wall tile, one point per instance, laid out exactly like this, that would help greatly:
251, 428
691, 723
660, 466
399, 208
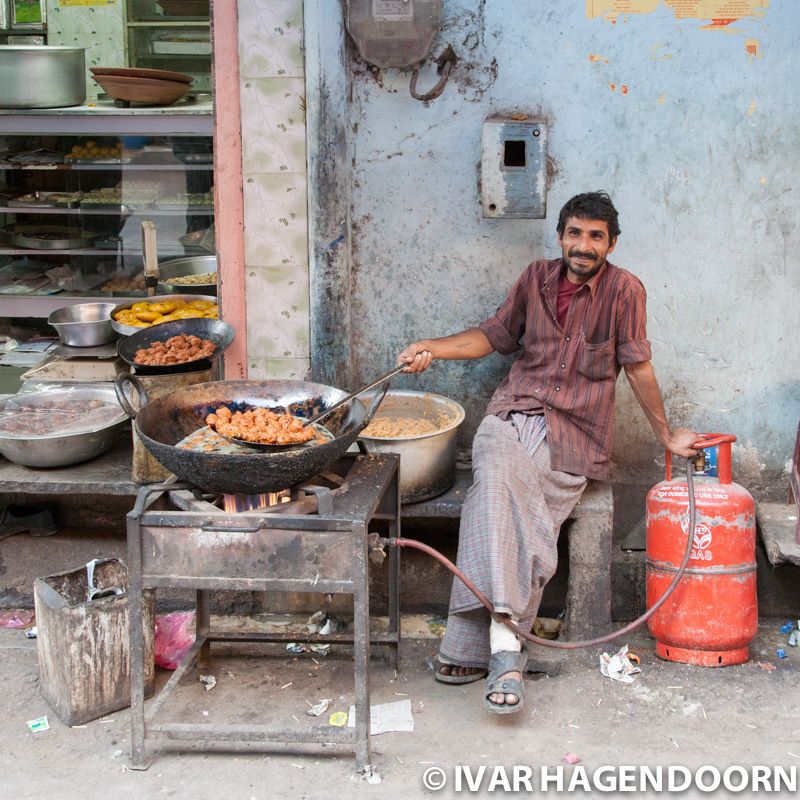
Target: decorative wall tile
98, 29
272, 91
271, 38
273, 125
275, 219
259, 369
74, 20
277, 311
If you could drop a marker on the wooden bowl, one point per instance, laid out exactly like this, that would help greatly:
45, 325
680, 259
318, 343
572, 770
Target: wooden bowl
139, 72
150, 91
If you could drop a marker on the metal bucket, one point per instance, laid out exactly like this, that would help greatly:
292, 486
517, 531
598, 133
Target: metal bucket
427, 460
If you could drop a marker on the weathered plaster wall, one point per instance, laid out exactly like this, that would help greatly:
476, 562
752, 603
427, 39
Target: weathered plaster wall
272, 88
685, 112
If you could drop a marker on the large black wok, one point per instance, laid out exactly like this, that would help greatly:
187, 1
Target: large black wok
164, 422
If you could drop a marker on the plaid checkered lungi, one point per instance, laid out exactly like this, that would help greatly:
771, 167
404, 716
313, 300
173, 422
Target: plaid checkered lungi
509, 530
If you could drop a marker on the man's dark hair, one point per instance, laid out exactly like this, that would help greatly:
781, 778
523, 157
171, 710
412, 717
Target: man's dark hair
590, 205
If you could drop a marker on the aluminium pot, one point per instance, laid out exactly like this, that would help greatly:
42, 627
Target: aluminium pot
65, 448
181, 268
42, 76
427, 460
84, 324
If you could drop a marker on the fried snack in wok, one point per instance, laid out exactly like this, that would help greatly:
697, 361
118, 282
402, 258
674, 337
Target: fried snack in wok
260, 425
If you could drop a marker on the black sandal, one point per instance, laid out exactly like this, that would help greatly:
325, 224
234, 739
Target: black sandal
500, 664
475, 676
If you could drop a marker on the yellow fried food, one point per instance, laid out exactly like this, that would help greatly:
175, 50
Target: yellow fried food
161, 308
147, 316
203, 305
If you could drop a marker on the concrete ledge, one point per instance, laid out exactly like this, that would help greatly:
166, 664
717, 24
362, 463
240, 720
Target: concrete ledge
597, 499
109, 473
778, 525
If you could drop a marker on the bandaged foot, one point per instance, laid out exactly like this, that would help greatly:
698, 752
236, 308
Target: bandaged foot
503, 639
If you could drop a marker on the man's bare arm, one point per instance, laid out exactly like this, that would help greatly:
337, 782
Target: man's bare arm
642, 379
471, 343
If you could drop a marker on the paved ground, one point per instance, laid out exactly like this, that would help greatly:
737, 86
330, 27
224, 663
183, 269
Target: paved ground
671, 715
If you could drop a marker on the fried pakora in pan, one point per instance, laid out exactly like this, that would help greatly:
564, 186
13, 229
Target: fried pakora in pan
260, 425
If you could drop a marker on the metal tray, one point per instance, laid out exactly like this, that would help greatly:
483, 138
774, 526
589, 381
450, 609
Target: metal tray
183, 207
33, 242
112, 208
43, 200
108, 244
109, 160
197, 158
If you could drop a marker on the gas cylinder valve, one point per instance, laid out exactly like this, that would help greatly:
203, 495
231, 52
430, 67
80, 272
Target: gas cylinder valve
377, 555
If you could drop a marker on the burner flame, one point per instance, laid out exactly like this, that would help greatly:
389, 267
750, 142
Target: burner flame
240, 503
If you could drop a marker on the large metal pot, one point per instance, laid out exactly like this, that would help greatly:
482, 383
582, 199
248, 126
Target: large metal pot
427, 460
164, 422
43, 76
61, 450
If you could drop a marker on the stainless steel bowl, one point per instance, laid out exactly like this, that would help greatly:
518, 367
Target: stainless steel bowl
61, 450
428, 460
43, 76
128, 330
180, 268
84, 324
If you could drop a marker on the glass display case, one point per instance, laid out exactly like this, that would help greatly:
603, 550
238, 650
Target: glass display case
71, 208
171, 35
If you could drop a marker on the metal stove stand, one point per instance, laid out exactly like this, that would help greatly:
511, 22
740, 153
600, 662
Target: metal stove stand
317, 543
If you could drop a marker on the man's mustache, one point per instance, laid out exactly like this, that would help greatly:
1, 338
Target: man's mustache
579, 254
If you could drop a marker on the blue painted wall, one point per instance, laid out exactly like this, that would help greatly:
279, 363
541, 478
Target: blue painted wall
700, 152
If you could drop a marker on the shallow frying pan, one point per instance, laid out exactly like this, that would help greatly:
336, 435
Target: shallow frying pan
214, 330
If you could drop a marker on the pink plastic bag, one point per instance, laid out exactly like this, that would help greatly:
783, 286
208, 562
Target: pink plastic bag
18, 618
174, 637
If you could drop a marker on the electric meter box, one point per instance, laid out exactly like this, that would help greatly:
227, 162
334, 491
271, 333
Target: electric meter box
513, 168
394, 33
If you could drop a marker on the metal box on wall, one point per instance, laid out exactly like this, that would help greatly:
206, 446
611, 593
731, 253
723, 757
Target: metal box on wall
513, 162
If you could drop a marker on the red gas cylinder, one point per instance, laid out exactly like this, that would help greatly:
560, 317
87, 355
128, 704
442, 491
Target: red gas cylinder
712, 616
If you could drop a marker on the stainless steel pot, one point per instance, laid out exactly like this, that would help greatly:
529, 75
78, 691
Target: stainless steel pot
428, 460
84, 324
44, 76
180, 268
61, 450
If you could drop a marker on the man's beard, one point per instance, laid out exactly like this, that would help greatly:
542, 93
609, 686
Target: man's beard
587, 272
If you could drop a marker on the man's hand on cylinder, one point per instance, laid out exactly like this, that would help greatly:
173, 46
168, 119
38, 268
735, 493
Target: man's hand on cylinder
680, 441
